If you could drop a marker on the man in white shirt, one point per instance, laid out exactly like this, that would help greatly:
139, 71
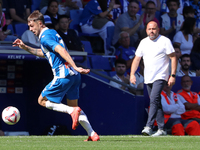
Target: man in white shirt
156, 51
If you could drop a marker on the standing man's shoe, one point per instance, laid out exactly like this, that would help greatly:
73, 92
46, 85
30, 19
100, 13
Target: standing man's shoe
147, 131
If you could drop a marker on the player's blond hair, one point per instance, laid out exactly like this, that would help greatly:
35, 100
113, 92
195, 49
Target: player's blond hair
35, 16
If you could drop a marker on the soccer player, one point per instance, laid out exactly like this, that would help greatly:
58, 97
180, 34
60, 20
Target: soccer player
66, 74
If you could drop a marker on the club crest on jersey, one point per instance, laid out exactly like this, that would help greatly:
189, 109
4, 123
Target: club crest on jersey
179, 22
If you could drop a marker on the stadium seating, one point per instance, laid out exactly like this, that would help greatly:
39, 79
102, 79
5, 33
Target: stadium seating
110, 34
20, 28
88, 47
35, 5
10, 27
101, 63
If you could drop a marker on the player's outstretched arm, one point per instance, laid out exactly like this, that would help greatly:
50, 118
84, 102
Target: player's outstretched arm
65, 55
34, 51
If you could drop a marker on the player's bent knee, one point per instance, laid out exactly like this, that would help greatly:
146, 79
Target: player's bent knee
42, 101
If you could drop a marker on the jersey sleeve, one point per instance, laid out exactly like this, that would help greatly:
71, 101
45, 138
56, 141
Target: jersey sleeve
49, 42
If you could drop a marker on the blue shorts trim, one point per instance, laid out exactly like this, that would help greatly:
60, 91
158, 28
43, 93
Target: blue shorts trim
58, 87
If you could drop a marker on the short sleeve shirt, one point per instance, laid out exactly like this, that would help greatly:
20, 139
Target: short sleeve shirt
186, 46
125, 20
156, 60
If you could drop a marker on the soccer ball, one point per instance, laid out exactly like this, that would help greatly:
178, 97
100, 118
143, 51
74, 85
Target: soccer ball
11, 115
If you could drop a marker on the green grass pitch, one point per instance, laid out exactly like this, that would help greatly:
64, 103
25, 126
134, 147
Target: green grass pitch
131, 142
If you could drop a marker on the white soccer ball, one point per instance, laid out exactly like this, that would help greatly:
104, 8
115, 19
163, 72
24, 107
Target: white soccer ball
11, 115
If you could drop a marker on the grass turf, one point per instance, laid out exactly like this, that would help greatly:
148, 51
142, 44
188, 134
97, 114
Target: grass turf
107, 143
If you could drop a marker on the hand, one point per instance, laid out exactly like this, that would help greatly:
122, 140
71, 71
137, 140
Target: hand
126, 79
74, 5
198, 72
8, 21
133, 79
141, 18
116, 6
173, 25
171, 81
82, 70
19, 43
111, 4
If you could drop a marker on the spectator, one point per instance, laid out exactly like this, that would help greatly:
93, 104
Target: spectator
44, 4
4, 33
190, 99
5, 9
91, 10
149, 15
173, 109
156, 2
185, 67
67, 5
115, 12
184, 37
171, 22
139, 79
64, 6
196, 6
125, 51
195, 55
69, 36
188, 11
130, 22
120, 68
3, 21
182, 3
124, 5
19, 11
52, 12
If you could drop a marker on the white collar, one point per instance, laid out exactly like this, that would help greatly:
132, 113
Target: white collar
42, 31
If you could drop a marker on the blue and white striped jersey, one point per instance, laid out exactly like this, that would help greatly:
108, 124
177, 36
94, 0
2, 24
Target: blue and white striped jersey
49, 39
